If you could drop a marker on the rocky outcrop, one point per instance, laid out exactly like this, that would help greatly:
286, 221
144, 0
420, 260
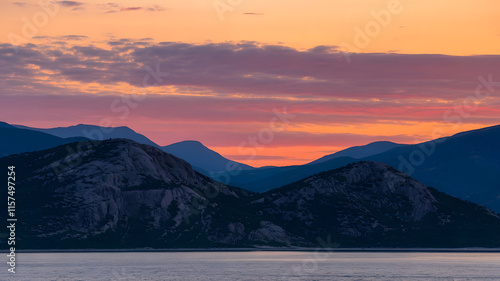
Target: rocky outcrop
121, 194
370, 204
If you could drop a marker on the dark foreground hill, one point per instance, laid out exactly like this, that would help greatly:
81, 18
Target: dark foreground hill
121, 194
371, 204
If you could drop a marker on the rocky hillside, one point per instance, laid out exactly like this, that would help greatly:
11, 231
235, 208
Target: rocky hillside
371, 204
118, 193
121, 194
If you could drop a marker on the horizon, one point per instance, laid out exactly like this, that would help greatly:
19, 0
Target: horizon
248, 162
288, 81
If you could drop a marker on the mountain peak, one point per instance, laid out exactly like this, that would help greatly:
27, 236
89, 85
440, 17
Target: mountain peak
358, 152
5, 125
190, 143
201, 157
372, 179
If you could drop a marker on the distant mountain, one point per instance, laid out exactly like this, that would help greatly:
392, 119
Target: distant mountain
94, 133
121, 194
199, 156
202, 158
264, 179
14, 140
358, 152
267, 178
371, 204
466, 165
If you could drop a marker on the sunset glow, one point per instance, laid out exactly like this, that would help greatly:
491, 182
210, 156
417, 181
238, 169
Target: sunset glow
344, 72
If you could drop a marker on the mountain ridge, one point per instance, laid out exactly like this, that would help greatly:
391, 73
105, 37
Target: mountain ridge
121, 194
358, 152
190, 150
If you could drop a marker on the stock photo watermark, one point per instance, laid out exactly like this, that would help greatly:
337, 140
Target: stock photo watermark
122, 106
251, 146
12, 219
223, 6
255, 143
311, 265
456, 116
363, 36
31, 26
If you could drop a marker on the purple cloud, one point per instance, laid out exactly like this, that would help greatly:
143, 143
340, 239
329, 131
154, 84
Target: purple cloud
20, 4
70, 3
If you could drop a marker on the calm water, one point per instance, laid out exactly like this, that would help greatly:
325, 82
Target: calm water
256, 266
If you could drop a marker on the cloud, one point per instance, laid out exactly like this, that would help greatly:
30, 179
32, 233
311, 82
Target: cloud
109, 8
70, 3
53, 39
155, 8
20, 4
73, 37
253, 70
231, 89
126, 9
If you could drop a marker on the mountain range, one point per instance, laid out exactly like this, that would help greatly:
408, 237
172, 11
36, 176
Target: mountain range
14, 140
121, 194
201, 158
465, 165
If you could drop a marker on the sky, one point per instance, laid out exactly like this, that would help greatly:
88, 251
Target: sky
261, 82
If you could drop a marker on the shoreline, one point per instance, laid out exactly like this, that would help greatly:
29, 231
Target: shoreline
332, 250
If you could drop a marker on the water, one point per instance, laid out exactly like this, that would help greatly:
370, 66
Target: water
236, 266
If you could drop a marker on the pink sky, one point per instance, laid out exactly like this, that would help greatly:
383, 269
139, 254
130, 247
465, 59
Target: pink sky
227, 76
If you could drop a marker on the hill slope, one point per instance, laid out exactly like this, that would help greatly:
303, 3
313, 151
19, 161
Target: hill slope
14, 140
465, 165
202, 158
199, 156
358, 152
370, 204
121, 194
94, 133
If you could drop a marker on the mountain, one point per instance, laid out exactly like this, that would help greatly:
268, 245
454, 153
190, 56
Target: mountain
202, 158
121, 194
94, 133
199, 156
465, 165
267, 178
371, 204
358, 152
264, 179
14, 140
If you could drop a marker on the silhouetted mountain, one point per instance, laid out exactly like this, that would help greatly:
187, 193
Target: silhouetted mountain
466, 165
358, 152
264, 179
199, 156
371, 204
121, 194
94, 133
14, 140
202, 158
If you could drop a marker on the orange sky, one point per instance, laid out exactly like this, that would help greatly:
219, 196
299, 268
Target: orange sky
457, 28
